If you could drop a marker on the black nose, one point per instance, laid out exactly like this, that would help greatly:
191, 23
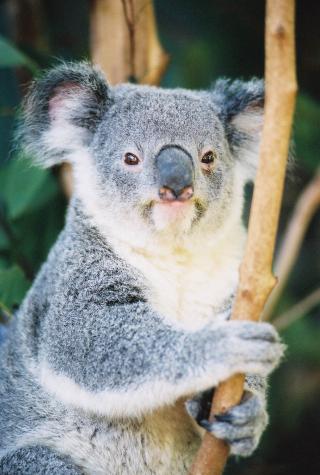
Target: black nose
175, 169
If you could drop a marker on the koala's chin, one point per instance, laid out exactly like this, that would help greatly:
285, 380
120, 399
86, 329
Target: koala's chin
176, 217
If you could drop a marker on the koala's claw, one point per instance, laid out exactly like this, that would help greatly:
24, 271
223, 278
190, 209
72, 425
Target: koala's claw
266, 332
199, 406
241, 427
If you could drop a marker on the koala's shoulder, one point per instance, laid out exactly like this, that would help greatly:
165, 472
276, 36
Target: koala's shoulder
82, 264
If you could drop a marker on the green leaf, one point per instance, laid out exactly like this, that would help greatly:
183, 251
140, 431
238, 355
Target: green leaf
24, 188
4, 241
10, 56
13, 286
302, 338
37, 231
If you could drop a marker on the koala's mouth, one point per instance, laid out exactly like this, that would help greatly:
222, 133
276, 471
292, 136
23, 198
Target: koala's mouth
175, 215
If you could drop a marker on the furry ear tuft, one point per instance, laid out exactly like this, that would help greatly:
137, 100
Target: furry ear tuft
240, 105
61, 112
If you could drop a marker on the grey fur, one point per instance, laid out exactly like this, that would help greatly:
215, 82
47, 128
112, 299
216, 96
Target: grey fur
27, 461
90, 329
241, 426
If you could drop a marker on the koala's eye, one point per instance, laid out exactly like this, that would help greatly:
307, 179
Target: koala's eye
131, 159
208, 158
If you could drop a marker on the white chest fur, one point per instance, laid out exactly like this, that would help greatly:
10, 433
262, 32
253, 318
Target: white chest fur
188, 285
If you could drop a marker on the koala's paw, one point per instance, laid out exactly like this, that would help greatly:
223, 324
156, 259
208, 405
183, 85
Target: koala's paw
247, 347
242, 426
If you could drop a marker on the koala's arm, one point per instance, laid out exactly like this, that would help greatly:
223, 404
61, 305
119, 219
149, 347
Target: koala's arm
36, 459
128, 359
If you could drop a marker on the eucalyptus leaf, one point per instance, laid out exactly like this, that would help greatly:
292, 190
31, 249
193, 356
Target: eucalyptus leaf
13, 286
10, 56
302, 338
24, 188
37, 231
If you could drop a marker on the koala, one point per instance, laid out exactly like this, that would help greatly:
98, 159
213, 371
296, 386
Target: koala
112, 358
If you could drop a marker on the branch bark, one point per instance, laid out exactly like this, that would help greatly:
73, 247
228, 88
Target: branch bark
124, 41
256, 279
307, 205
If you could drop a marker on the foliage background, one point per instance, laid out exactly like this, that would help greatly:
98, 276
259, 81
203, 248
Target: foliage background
206, 39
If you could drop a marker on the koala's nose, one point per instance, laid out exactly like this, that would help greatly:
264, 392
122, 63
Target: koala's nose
176, 174
166, 194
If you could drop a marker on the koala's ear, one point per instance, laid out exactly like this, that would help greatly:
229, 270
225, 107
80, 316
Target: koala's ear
61, 112
240, 105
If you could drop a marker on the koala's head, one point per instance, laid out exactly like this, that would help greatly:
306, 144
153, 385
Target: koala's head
165, 160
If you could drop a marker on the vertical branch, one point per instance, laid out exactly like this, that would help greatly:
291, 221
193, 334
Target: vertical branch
109, 42
124, 41
128, 10
30, 34
256, 279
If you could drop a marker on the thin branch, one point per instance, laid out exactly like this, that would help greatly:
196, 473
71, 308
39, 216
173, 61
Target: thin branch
306, 207
128, 10
298, 310
66, 179
256, 279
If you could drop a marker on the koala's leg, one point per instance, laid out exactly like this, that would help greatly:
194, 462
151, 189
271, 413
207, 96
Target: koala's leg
37, 460
242, 426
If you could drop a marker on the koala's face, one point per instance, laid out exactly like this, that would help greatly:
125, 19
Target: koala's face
167, 159
163, 155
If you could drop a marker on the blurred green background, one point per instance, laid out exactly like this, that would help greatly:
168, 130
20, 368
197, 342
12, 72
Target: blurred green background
205, 39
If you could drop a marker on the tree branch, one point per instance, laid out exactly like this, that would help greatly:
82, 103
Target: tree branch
297, 311
128, 10
124, 41
256, 279
307, 205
